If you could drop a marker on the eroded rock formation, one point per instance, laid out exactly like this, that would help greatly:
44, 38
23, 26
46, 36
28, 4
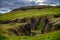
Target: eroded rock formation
33, 24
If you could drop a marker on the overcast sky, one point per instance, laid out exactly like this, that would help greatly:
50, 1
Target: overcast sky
20, 3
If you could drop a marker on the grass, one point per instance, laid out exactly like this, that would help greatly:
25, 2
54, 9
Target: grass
47, 36
30, 13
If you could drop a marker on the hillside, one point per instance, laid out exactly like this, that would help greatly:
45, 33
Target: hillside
48, 36
31, 24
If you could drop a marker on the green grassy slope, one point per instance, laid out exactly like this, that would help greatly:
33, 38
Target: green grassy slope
29, 13
48, 36
19, 14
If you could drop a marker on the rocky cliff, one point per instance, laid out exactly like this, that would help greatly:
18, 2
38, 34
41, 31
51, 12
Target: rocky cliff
33, 25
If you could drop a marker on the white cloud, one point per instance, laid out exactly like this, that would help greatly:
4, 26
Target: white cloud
40, 0
4, 10
18, 3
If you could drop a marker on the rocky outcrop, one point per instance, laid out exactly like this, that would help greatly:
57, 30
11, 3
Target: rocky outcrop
21, 30
13, 21
44, 24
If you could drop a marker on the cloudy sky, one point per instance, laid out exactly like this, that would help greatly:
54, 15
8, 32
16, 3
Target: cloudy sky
20, 3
